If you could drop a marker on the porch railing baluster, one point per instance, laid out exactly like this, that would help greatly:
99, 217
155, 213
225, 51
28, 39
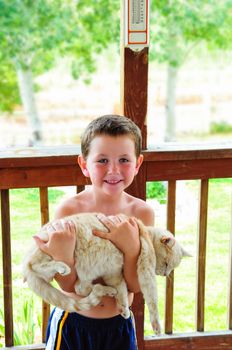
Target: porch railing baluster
7, 271
44, 211
171, 211
201, 264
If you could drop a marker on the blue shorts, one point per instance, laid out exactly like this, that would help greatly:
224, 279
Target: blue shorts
71, 331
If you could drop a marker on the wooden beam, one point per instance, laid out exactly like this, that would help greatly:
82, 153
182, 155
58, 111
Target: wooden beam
135, 88
26, 347
192, 341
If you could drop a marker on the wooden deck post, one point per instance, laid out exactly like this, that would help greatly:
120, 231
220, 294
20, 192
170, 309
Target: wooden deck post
7, 270
44, 210
134, 79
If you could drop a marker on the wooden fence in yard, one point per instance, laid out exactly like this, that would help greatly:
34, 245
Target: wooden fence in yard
49, 167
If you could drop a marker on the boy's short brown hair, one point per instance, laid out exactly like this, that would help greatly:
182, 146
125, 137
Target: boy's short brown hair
112, 125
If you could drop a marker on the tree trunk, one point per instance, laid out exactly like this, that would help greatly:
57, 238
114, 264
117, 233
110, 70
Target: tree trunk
170, 113
25, 81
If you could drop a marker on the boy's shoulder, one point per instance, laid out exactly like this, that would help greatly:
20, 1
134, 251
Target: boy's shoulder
142, 210
70, 206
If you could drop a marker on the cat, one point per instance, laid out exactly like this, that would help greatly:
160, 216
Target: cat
160, 254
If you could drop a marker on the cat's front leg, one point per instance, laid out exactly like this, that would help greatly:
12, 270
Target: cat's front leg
154, 316
147, 280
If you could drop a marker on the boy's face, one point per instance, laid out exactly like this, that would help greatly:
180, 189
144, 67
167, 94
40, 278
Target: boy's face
111, 163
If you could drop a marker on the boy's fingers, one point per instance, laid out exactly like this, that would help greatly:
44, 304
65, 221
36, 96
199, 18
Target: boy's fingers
132, 221
104, 235
105, 221
69, 225
40, 243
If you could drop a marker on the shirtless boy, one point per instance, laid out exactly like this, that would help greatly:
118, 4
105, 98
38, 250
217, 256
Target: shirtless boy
111, 158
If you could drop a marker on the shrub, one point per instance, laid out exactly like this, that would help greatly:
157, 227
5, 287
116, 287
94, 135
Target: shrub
156, 190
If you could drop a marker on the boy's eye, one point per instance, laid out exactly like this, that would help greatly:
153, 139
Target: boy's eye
102, 161
123, 160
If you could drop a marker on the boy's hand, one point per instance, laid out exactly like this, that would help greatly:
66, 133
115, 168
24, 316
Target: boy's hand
123, 233
61, 243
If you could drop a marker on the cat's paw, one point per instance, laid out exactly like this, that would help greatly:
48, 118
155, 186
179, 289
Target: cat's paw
82, 290
100, 290
125, 312
63, 269
156, 327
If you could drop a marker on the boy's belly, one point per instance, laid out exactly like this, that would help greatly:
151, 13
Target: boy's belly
106, 309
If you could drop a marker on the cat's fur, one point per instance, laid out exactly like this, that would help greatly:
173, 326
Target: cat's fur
95, 257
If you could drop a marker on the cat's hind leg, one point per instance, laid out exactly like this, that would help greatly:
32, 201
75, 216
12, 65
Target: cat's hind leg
121, 297
95, 296
83, 288
51, 267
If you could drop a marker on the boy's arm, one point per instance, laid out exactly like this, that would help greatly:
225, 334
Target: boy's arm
60, 246
128, 243
146, 215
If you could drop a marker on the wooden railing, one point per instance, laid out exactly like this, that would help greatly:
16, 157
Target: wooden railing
57, 167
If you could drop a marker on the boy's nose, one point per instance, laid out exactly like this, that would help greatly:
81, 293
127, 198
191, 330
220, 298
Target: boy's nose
113, 168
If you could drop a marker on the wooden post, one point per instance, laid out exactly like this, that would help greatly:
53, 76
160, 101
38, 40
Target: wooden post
44, 210
169, 295
201, 263
134, 78
230, 282
7, 271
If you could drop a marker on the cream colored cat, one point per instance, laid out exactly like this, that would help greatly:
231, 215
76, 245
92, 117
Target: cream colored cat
160, 254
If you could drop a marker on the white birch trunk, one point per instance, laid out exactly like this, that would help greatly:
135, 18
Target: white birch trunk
25, 82
170, 110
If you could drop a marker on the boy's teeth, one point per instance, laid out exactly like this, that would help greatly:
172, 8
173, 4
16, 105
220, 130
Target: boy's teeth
112, 181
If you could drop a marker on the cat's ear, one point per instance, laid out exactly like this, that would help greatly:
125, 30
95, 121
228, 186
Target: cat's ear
185, 253
168, 241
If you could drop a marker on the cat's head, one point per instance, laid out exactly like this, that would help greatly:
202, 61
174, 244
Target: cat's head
168, 251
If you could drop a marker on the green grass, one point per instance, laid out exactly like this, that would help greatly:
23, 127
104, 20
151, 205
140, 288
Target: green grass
25, 221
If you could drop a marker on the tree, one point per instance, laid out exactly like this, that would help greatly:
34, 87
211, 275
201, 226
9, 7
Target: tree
178, 26
34, 33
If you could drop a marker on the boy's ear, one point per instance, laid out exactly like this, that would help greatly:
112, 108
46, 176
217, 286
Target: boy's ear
83, 165
138, 164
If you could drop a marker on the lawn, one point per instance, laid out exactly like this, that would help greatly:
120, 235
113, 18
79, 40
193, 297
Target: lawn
25, 219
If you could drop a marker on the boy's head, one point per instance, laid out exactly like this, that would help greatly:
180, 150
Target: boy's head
111, 125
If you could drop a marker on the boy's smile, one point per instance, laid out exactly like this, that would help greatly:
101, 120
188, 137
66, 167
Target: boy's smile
111, 163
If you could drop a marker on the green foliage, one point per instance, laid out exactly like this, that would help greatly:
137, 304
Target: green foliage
9, 93
34, 34
179, 26
220, 128
25, 329
156, 190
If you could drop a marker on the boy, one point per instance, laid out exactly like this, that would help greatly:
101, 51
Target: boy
111, 157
